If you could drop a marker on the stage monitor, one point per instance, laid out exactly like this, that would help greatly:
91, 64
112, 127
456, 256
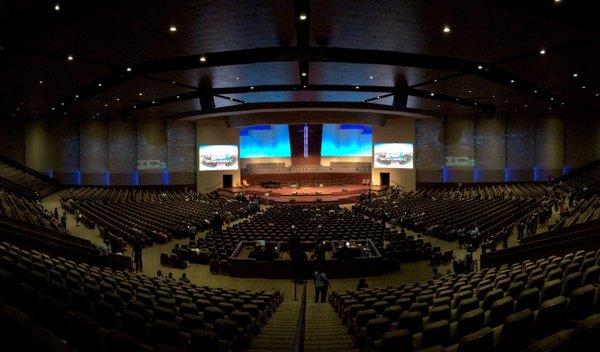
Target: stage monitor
393, 156
218, 157
265, 141
346, 140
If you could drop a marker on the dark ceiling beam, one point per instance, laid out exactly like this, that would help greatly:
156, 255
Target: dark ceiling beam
385, 92
287, 54
302, 18
298, 105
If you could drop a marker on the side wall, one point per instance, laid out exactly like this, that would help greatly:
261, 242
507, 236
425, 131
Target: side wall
105, 151
508, 147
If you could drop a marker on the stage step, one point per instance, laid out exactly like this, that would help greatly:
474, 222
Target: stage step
278, 334
324, 330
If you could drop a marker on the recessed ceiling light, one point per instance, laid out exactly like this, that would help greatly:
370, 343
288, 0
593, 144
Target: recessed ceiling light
70, 57
118, 99
551, 98
432, 94
303, 74
582, 87
173, 82
140, 94
512, 81
237, 78
128, 69
203, 58
543, 52
41, 82
105, 105
57, 7
446, 29
525, 105
475, 104
557, 1
597, 94
177, 97
370, 77
173, 29
304, 86
99, 84
576, 75
535, 91
435, 80
53, 109
480, 67
62, 104
470, 91
153, 102
302, 17
76, 96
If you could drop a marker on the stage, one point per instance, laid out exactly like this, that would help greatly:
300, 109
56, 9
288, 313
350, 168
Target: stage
338, 194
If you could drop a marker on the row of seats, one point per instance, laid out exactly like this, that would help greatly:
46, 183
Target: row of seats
96, 309
498, 309
150, 216
442, 217
315, 223
28, 181
585, 180
18, 207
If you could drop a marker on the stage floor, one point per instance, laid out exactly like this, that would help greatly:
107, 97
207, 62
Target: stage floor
340, 194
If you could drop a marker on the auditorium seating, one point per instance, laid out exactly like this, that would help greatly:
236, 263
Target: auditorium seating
149, 215
454, 207
323, 222
23, 209
25, 180
74, 306
584, 180
553, 300
586, 210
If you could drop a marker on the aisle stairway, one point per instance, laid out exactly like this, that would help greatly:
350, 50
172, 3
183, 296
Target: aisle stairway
278, 334
324, 330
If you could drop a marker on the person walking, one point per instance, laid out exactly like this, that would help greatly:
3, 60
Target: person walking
137, 256
63, 220
321, 285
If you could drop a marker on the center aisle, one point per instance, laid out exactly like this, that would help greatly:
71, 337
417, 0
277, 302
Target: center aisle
279, 333
324, 330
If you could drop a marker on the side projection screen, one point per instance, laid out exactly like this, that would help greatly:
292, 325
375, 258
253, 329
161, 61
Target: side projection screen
218, 157
393, 156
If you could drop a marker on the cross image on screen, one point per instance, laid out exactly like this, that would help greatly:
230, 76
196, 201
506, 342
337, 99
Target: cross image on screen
217, 157
393, 156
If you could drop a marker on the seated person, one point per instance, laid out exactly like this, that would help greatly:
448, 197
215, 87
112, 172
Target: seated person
256, 253
362, 284
270, 253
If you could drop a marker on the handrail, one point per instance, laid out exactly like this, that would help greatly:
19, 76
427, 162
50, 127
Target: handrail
301, 325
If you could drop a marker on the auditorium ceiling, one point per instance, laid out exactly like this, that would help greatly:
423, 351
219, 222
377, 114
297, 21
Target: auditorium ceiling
180, 58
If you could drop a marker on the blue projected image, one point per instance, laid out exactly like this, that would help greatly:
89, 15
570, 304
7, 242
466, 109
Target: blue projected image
265, 141
346, 140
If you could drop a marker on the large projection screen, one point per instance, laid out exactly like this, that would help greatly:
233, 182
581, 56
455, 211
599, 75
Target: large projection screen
393, 156
217, 157
265, 141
